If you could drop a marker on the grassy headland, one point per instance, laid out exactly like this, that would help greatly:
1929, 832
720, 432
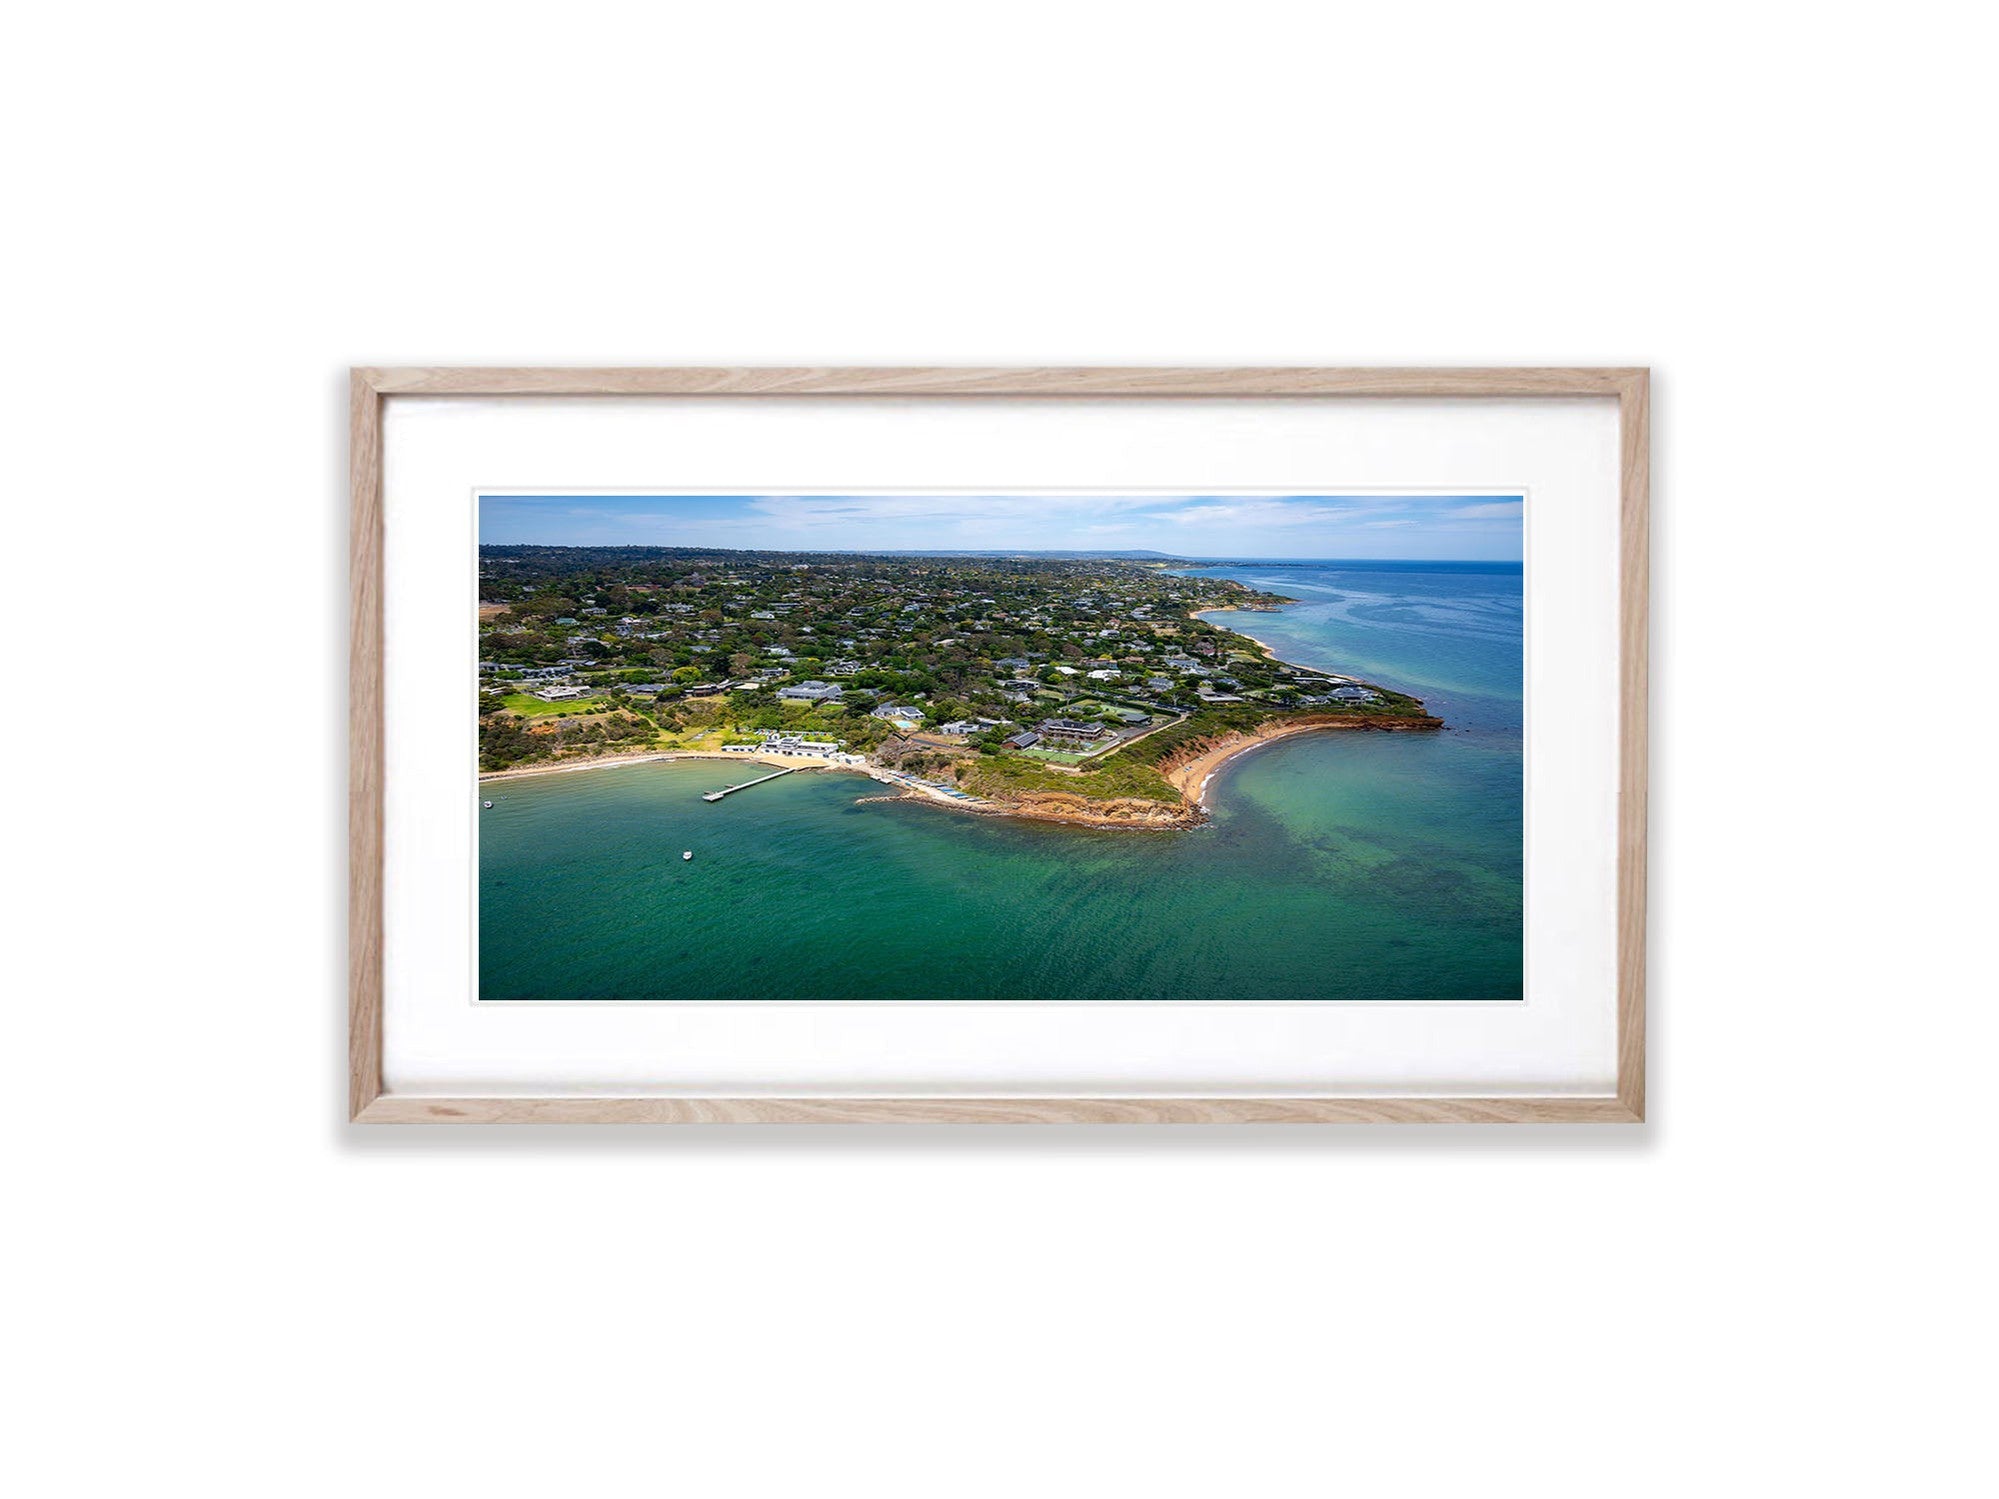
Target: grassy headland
1068, 687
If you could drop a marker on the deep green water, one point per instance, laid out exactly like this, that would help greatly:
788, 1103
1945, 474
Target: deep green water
1337, 865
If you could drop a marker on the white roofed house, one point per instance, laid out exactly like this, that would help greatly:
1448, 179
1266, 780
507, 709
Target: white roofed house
779, 743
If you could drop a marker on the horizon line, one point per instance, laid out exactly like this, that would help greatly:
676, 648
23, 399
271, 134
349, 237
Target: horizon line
1109, 552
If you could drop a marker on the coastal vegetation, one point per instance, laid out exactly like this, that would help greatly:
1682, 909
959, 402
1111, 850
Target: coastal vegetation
1064, 686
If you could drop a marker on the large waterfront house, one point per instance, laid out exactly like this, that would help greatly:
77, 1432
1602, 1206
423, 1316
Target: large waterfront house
1069, 728
775, 742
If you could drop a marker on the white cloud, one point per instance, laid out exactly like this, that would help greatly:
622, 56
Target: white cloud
1306, 525
1493, 510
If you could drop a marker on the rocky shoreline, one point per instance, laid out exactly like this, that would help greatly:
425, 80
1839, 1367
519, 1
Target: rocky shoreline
1189, 770
1124, 813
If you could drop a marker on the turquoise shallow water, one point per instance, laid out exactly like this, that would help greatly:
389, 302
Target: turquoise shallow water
1337, 866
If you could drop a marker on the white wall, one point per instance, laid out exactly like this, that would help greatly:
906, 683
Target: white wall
1776, 1286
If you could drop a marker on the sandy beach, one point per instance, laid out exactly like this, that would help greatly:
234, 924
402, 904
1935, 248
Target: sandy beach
608, 762
1270, 654
1190, 777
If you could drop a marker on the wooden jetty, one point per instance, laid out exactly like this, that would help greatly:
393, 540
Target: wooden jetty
716, 796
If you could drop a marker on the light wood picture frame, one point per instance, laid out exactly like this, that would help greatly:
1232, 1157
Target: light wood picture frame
371, 388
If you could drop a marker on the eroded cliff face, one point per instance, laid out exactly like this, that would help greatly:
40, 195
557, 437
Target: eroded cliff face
1187, 769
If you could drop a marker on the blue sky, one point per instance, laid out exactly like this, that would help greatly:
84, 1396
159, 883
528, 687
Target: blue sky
1430, 527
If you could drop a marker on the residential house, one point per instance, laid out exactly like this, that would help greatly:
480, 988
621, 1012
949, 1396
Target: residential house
811, 692
1069, 728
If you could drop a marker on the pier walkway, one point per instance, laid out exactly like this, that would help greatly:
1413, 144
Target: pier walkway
716, 796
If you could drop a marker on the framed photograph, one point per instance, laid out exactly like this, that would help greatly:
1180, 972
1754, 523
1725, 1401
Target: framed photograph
955, 745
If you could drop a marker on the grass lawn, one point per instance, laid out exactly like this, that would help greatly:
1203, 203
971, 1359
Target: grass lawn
692, 738
534, 707
1112, 776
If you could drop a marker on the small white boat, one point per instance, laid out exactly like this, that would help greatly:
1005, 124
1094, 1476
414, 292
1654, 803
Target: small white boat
487, 805
688, 855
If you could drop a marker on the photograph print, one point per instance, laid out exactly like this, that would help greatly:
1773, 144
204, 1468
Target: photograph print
1031, 747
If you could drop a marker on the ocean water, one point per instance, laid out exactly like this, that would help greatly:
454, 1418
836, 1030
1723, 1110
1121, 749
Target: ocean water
1337, 866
